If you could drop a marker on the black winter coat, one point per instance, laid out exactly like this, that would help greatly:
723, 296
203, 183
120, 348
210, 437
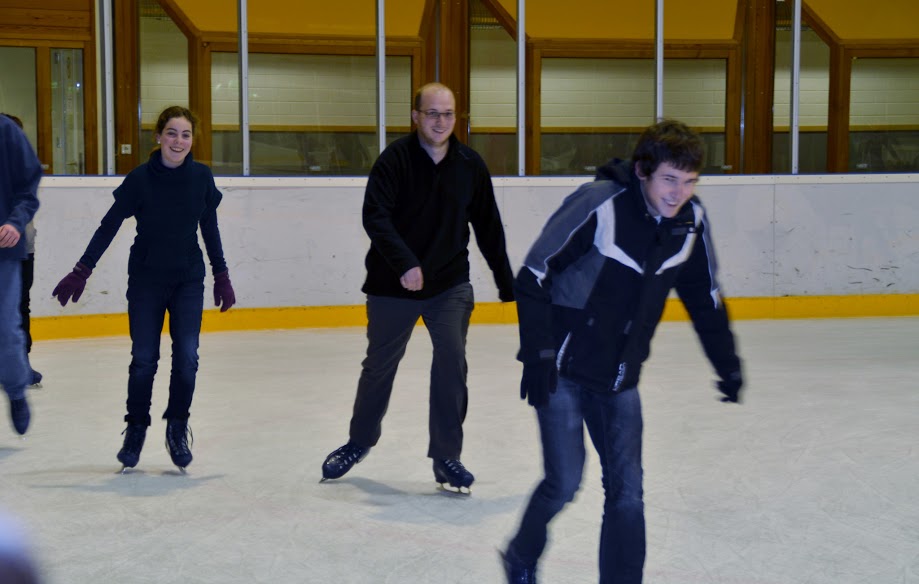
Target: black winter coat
595, 282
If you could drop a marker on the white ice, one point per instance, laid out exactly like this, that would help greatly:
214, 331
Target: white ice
812, 480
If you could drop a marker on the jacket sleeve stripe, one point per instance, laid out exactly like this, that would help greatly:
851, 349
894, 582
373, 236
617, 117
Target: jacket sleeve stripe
605, 238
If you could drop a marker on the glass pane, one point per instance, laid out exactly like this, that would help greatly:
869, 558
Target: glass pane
226, 136
493, 91
312, 94
884, 116
67, 111
163, 70
308, 114
592, 110
18, 91
814, 90
695, 93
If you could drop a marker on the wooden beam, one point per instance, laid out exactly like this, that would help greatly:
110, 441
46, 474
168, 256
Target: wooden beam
199, 98
127, 84
732, 112
760, 84
454, 59
45, 134
90, 106
837, 135
533, 139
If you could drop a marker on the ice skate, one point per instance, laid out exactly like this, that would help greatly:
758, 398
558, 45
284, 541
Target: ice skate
515, 572
134, 436
453, 472
36, 380
178, 442
341, 460
20, 414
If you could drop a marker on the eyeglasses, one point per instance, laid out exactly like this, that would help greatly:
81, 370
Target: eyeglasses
434, 115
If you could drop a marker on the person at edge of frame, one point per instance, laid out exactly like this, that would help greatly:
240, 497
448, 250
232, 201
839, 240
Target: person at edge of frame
28, 276
20, 174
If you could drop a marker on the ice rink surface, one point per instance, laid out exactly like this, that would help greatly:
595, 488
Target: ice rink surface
814, 479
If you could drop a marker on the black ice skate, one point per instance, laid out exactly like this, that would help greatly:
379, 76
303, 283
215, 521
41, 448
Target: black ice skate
20, 415
340, 461
178, 435
134, 436
515, 572
453, 473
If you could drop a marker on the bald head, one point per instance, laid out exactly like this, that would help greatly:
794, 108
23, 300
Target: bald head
429, 89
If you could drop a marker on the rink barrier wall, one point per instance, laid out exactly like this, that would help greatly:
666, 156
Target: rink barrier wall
824, 246
241, 319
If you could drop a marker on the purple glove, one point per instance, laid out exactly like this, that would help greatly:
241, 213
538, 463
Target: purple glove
223, 291
73, 284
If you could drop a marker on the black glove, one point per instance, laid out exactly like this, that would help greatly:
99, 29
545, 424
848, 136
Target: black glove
730, 387
540, 378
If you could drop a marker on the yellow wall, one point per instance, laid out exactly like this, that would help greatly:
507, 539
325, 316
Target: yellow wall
605, 19
859, 20
306, 17
547, 19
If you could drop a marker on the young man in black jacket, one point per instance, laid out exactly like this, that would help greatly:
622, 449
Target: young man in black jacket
589, 297
422, 194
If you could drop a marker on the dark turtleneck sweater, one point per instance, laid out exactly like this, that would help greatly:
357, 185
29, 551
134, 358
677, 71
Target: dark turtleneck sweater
168, 204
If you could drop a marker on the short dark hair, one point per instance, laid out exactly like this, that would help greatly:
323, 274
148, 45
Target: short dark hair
16, 120
672, 142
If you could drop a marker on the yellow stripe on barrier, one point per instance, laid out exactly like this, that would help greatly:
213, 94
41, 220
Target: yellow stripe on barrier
242, 319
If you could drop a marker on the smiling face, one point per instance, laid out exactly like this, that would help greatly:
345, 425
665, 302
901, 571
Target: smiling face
175, 141
668, 188
435, 128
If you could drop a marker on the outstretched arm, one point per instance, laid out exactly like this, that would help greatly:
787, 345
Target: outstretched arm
700, 293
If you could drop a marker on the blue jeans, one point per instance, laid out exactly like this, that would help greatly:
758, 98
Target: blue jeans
15, 372
614, 423
390, 322
148, 301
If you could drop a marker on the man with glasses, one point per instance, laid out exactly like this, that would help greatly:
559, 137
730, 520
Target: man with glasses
422, 194
589, 297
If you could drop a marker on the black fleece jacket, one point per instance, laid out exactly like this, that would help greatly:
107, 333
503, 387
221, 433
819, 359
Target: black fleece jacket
418, 213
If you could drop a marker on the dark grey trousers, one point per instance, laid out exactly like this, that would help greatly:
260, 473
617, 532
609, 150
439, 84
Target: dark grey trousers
390, 322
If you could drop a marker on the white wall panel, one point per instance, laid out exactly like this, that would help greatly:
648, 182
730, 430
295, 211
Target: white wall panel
847, 239
299, 242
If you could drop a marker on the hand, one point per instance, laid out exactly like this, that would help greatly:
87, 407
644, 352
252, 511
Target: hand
223, 291
412, 280
539, 380
731, 387
9, 235
73, 284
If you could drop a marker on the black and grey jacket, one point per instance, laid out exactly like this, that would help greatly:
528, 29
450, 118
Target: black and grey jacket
594, 284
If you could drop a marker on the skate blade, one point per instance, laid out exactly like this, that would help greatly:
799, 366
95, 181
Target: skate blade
448, 488
126, 470
36, 386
